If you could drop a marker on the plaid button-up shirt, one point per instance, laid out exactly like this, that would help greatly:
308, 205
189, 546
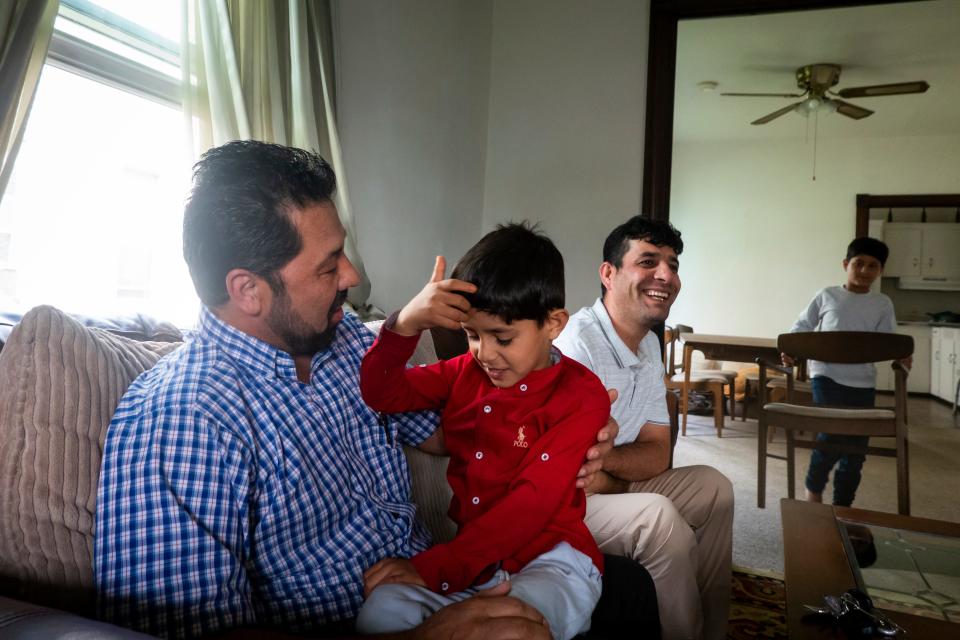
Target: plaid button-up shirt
232, 494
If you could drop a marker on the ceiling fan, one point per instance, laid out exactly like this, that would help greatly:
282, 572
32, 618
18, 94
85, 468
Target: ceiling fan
816, 81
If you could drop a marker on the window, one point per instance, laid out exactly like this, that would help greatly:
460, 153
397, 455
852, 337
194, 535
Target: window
91, 219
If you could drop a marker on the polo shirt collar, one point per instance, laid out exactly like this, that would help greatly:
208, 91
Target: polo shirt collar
253, 353
534, 381
625, 357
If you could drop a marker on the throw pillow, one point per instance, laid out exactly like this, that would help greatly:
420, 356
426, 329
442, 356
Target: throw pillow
60, 383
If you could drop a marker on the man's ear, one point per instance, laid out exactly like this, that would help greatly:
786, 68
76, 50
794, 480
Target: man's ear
247, 291
556, 321
845, 263
606, 273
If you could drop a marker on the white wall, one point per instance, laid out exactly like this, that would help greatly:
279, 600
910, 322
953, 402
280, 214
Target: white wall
413, 86
565, 138
456, 115
761, 238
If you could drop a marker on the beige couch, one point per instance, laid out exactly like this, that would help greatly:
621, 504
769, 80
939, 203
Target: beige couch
60, 383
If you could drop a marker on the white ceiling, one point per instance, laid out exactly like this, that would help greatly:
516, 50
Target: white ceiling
874, 45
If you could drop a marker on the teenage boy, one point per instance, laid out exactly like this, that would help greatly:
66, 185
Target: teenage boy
851, 307
517, 419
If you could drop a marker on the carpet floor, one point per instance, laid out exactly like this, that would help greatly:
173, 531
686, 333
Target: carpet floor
758, 608
757, 533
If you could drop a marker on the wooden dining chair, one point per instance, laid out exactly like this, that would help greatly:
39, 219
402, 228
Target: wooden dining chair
844, 347
711, 381
716, 381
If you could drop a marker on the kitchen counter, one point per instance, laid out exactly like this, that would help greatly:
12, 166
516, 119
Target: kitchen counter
928, 323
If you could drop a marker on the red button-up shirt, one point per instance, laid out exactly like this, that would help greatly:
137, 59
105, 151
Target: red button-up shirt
514, 455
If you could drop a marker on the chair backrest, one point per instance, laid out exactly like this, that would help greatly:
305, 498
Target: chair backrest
681, 329
669, 344
846, 347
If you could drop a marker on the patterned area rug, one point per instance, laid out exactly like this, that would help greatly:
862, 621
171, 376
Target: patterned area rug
758, 607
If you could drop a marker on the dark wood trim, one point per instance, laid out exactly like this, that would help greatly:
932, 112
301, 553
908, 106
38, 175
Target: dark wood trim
661, 79
866, 201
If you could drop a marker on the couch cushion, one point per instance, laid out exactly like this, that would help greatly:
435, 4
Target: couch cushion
60, 383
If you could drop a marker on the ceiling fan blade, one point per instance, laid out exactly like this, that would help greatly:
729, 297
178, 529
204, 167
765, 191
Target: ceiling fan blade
765, 95
776, 114
851, 110
918, 86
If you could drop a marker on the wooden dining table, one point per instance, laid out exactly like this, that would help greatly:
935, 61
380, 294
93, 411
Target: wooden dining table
719, 347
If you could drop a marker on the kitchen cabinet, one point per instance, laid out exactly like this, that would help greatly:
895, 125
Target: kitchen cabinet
923, 249
919, 379
944, 362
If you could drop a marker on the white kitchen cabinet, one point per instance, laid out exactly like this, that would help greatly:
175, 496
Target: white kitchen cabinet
944, 362
906, 249
941, 252
922, 249
919, 379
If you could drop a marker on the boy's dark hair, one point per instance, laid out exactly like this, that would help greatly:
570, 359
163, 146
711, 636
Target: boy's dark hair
518, 273
657, 232
868, 247
239, 212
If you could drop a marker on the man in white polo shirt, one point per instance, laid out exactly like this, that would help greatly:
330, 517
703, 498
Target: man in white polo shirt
676, 522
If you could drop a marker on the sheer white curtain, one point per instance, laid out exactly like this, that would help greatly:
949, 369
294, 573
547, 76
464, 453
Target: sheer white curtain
263, 70
25, 30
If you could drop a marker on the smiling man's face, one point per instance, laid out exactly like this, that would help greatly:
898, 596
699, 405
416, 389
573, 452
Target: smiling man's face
644, 286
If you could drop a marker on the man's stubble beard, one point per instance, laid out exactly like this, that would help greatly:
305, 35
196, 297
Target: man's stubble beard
299, 338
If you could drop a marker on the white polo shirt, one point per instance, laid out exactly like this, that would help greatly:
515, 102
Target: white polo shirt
590, 339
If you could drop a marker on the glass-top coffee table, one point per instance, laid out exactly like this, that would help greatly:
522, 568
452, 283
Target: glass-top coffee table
909, 566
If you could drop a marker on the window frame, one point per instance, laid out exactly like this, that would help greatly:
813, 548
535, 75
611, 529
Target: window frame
84, 58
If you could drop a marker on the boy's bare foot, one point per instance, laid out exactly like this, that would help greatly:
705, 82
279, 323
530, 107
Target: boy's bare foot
813, 497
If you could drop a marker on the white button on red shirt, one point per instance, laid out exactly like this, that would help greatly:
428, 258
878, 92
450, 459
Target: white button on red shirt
487, 409
479, 455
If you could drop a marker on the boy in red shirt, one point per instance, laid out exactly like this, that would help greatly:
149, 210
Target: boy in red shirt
517, 420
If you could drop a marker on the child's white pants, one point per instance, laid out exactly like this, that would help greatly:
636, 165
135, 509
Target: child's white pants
562, 584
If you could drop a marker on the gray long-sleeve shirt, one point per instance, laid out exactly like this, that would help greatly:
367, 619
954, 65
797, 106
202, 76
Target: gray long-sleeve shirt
836, 309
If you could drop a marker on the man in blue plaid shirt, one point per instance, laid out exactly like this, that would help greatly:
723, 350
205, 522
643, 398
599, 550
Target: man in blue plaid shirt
244, 481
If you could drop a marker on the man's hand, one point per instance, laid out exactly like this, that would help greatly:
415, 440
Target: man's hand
786, 360
389, 571
594, 462
603, 482
437, 305
489, 615
907, 363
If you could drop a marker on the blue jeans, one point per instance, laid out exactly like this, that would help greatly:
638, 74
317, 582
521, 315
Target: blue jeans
846, 479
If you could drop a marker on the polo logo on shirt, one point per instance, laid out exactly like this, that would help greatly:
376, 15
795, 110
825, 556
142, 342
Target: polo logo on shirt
521, 440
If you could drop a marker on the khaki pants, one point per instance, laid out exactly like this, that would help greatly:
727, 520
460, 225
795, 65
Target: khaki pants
679, 526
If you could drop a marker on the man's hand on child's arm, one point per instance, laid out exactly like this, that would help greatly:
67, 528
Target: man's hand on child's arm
605, 437
389, 571
437, 305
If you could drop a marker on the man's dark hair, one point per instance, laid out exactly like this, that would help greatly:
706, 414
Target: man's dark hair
518, 273
868, 247
659, 233
239, 212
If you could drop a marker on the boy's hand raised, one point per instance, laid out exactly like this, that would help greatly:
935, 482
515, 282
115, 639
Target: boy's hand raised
437, 305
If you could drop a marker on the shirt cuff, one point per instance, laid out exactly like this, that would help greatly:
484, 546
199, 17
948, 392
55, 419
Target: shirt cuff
395, 343
441, 570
